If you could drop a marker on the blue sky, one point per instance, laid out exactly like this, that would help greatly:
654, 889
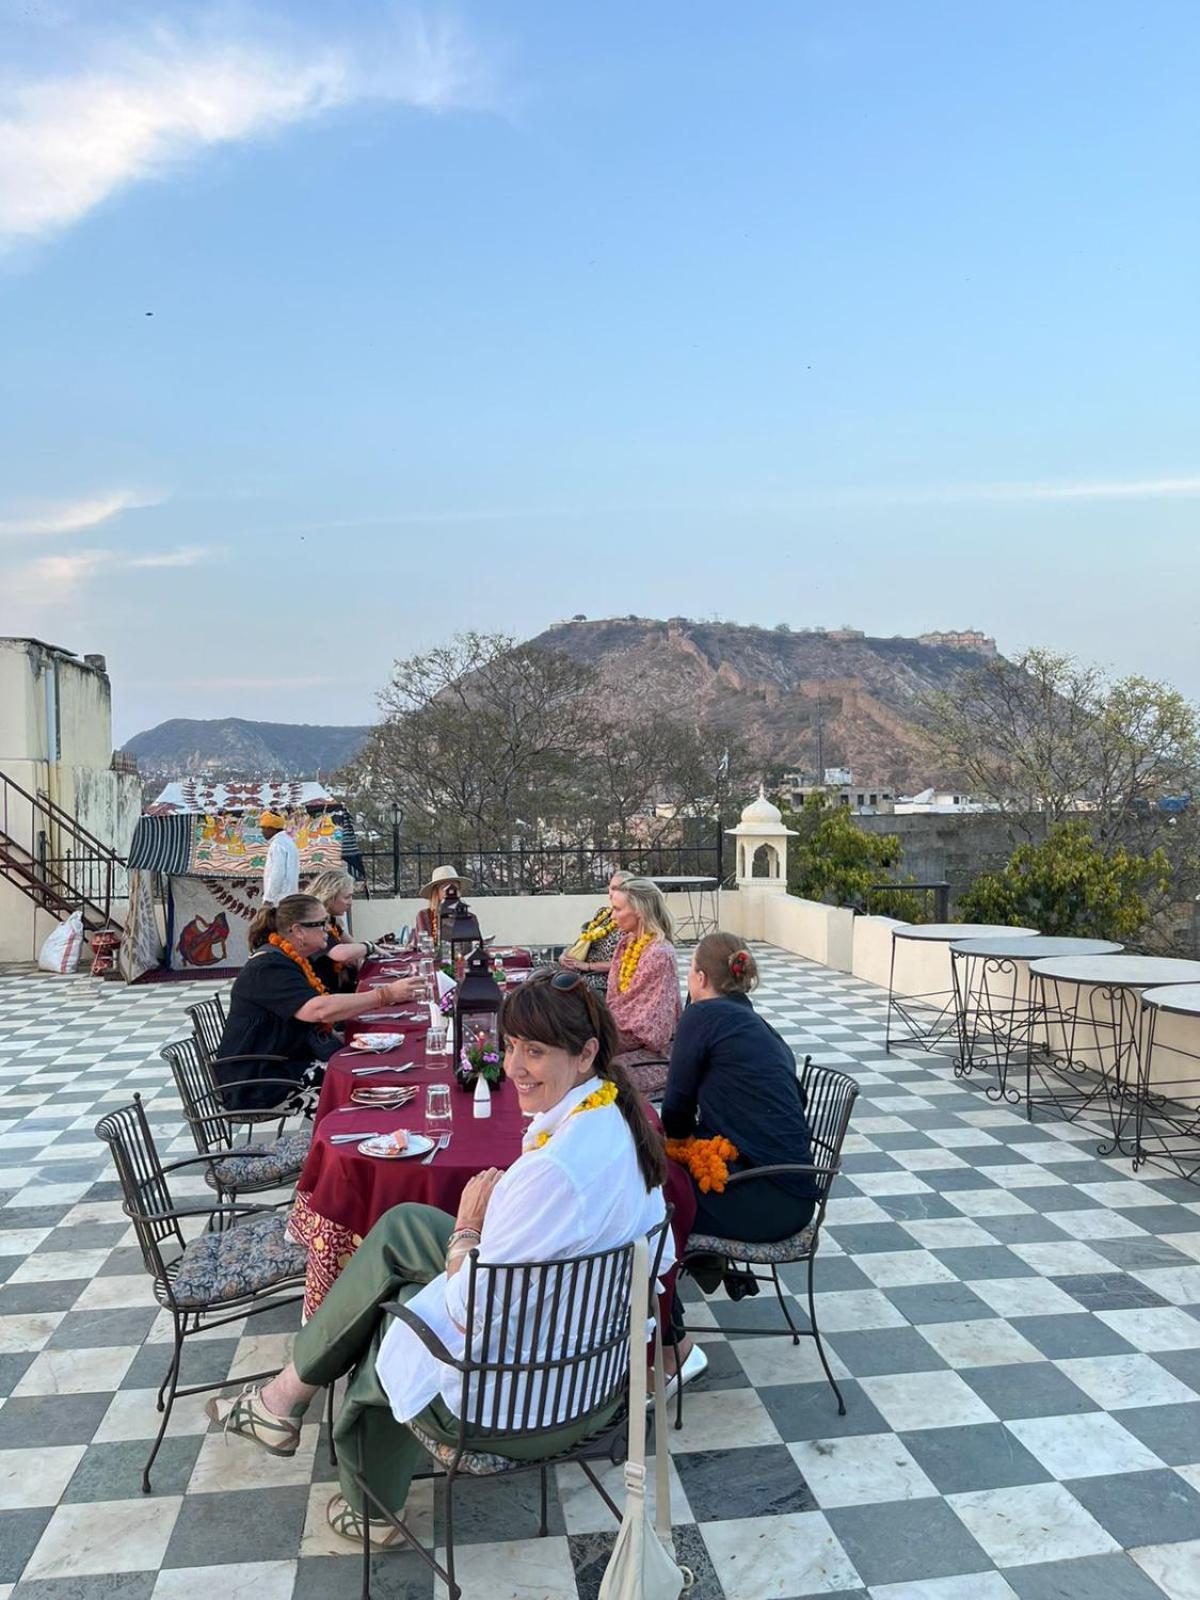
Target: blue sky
879, 312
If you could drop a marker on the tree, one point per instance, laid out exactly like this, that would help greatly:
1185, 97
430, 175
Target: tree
477, 736
835, 861
1069, 885
1045, 737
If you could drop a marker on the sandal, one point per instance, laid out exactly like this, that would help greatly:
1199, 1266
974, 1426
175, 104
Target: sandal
345, 1521
250, 1419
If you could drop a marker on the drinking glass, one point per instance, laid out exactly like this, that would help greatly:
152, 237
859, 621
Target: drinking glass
435, 1045
437, 1109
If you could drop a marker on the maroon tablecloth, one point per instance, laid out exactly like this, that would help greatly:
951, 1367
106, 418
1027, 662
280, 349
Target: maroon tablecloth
355, 1190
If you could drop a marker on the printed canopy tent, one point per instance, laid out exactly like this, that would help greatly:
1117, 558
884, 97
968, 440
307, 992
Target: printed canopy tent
199, 851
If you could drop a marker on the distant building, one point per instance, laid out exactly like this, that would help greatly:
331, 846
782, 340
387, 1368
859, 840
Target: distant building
58, 773
838, 786
941, 802
966, 639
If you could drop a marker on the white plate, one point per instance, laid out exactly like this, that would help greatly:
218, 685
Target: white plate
419, 1144
376, 1043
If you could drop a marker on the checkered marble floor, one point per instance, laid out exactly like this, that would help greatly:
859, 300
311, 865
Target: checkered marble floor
1016, 1324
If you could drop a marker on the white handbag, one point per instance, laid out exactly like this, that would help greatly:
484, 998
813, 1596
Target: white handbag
642, 1565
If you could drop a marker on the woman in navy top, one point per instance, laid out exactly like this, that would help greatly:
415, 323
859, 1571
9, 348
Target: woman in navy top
732, 1074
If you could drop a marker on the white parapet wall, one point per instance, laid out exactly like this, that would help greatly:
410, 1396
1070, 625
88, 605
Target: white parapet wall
516, 919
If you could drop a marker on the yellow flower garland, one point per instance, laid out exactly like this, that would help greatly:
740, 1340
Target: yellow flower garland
629, 961
600, 925
603, 1096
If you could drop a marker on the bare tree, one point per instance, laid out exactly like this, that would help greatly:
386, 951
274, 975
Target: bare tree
1045, 736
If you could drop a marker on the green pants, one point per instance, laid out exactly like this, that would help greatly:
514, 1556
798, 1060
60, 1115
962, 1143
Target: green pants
405, 1250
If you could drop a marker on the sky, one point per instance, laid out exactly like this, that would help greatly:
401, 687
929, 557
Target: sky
329, 331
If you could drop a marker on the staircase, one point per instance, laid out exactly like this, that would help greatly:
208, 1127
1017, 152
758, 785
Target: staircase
82, 878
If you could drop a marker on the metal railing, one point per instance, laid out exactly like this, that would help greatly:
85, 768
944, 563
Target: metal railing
935, 895
400, 869
53, 859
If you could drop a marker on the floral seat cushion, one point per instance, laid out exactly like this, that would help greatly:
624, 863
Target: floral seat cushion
263, 1165
253, 1256
796, 1247
647, 1069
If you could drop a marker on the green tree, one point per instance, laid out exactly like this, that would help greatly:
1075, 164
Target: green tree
1068, 884
834, 861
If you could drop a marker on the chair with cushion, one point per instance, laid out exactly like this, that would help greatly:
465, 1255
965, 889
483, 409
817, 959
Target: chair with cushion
829, 1098
572, 1325
647, 1070
237, 1168
217, 1278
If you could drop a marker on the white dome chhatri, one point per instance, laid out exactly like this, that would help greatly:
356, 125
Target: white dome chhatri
760, 816
761, 831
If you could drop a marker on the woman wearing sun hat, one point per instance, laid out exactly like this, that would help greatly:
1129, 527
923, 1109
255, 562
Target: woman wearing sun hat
434, 892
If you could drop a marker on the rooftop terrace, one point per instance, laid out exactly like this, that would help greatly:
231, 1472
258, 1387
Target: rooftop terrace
1017, 1322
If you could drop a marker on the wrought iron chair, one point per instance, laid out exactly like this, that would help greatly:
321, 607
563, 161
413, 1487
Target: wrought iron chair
238, 1168
208, 1029
829, 1098
569, 1323
218, 1278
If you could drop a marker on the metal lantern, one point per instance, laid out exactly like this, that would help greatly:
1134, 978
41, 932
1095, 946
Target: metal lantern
477, 1010
459, 930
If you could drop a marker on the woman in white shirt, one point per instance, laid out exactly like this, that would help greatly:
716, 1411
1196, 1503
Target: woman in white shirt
589, 1179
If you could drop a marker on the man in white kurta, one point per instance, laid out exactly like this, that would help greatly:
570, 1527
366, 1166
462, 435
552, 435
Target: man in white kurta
281, 872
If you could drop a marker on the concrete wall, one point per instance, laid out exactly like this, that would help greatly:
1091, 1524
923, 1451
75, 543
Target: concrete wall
519, 919
56, 739
951, 848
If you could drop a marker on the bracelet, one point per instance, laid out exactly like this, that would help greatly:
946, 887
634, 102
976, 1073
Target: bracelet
463, 1233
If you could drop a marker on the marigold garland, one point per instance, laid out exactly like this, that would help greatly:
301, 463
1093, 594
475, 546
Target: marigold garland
302, 962
599, 927
706, 1159
629, 961
603, 1096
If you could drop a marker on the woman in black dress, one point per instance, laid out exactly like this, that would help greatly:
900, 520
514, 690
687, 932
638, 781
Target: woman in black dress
278, 1005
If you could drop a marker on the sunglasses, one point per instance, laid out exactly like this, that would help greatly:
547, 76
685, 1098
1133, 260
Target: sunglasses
322, 924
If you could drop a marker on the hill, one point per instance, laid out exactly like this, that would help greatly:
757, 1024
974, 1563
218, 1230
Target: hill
858, 698
233, 747
779, 687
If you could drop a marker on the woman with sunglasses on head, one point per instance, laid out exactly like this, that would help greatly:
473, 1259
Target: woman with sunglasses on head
279, 1006
733, 1077
589, 1179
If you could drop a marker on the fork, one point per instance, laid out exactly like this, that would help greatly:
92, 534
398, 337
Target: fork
370, 1072
443, 1143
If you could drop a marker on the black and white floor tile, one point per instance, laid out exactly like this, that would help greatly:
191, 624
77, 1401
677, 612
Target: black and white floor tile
1015, 1322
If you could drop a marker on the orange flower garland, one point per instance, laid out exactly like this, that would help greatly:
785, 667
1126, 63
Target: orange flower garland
706, 1159
302, 962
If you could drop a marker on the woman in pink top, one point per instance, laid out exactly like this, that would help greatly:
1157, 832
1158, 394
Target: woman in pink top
643, 982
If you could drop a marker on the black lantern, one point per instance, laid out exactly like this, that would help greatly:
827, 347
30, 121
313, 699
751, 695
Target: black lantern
477, 1022
458, 928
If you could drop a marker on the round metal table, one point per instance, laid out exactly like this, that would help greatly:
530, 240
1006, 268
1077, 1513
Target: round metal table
1168, 1108
703, 911
1098, 1058
993, 1000
927, 1019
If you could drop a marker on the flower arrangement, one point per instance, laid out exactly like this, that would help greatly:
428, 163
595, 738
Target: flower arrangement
706, 1159
479, 1058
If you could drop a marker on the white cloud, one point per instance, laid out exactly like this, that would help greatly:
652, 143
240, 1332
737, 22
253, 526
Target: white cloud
77, 516
52, 580
186, 556
145, 104
1187, 488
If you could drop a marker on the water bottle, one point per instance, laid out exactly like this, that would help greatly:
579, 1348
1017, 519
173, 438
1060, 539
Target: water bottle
483, 1097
